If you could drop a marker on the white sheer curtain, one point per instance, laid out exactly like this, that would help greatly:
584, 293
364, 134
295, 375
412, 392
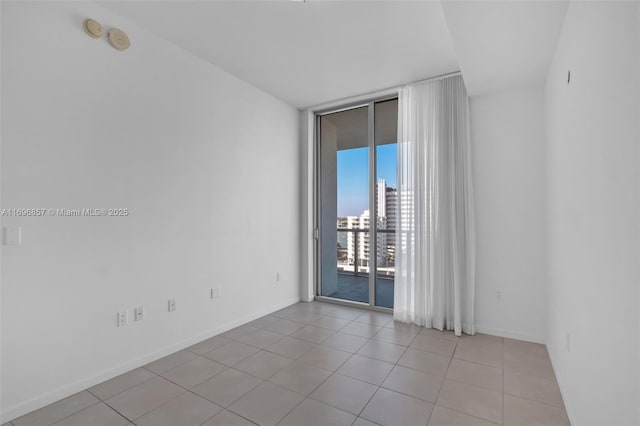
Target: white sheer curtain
435, 246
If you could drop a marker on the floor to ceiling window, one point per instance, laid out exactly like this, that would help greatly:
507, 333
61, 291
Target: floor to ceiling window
356, 203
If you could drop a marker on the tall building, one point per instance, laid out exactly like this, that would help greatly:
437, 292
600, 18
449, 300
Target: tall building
358, 243
387, 205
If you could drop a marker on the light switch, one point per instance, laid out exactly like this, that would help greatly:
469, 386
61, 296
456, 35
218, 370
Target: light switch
13, 236
215, 292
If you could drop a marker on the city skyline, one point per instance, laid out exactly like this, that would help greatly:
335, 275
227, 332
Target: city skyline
354, 247
353, 176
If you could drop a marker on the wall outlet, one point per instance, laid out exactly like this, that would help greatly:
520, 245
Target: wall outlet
123, 318
138, 313
13, 236
216, 292
499, 296
172, 305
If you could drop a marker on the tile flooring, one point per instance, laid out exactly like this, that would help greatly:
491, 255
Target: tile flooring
323, 364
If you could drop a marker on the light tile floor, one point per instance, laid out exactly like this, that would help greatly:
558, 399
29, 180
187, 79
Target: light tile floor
323, 364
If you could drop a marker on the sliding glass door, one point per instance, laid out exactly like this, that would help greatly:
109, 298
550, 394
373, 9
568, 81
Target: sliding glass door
356, 203
386, 125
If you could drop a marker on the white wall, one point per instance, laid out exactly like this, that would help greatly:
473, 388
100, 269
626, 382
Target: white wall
207, 165
508, 167
593, 213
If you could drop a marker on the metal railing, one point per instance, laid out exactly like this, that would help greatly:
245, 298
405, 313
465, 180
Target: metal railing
356, 246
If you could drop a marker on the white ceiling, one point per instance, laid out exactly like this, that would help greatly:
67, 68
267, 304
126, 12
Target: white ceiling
306, 53
321, 51
504, 44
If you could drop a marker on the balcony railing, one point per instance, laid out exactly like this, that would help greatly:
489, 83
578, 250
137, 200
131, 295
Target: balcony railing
353, 254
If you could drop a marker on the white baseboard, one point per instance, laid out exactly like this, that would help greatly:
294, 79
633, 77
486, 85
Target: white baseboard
80, 385
510, 334
561, 382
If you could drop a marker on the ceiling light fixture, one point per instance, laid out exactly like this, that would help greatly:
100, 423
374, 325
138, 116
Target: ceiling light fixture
118, 39
93, 28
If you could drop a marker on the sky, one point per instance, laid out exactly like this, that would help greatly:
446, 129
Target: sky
353, 176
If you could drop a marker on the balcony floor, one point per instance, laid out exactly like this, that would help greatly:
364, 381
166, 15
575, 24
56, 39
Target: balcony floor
356, 288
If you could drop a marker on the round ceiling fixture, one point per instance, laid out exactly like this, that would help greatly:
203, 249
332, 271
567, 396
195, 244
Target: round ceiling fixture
93, 28
119, 39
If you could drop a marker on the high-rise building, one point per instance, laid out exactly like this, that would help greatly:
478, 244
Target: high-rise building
387, 203
358, 242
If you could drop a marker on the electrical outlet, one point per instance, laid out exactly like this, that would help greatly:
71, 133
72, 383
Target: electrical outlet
123, 318
499, 296
215, 293
172, 305
138, 313
13, 236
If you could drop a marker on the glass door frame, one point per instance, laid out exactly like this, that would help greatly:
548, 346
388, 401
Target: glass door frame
317, 202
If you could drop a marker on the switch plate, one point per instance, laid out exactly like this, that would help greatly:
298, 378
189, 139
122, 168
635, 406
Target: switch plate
13, 236
123, 318
172, 305
138, 313
215, 293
